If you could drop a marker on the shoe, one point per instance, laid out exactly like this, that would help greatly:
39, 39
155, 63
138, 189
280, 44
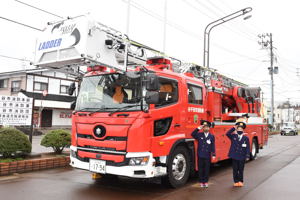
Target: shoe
241, 184
236, 185
206, 185
202, 185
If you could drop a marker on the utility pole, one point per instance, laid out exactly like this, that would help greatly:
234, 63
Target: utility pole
266, 41
128, 16
165, 26
288, 109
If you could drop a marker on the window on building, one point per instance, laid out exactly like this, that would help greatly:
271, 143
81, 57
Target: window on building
195, 94
64, 89
3, 83
15, 86
38, 86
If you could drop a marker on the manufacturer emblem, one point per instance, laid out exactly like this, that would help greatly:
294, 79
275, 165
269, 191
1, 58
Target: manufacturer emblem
99, 131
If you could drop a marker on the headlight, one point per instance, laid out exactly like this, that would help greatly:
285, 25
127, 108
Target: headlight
73, 153
139, 161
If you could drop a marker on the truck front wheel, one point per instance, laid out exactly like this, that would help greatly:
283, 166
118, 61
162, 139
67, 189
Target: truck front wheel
178, 168
254, 149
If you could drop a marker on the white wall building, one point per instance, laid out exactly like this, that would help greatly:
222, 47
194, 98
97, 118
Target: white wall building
52, 110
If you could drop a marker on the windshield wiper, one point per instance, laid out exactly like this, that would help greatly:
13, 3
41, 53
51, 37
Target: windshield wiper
121, 109
80, 110
100, 109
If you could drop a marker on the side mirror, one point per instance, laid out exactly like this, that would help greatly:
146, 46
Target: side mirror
71, 89
152, 83
152, 97
73, 105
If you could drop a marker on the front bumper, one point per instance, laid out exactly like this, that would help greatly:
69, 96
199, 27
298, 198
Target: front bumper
146, 171
287, 132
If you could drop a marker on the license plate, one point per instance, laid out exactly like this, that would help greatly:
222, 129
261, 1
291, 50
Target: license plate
98, 166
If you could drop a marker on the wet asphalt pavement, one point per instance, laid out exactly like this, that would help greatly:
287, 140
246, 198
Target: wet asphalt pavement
275, 174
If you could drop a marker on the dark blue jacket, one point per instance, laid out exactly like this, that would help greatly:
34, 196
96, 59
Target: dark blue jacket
239, 149
206, 146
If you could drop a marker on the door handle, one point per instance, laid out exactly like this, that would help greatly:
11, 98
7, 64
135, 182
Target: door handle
177, 125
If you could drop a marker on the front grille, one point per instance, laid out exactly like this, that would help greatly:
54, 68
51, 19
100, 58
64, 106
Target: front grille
108, 138
100, 148
105, 150
108, 162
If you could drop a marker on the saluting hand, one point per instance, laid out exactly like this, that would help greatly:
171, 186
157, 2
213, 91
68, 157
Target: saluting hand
200, 127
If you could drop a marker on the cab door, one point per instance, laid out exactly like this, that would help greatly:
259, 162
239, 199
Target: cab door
195, 106
167, 117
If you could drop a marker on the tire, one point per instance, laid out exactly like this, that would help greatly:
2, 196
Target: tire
254, 149
178, 168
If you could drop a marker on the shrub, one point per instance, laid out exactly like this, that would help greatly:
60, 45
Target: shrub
13, 143
57, 139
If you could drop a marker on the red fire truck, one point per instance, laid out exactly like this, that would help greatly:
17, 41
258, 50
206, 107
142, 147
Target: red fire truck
134, 115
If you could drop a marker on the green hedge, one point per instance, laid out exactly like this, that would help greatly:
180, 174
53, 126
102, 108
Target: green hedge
13, 143
57, 139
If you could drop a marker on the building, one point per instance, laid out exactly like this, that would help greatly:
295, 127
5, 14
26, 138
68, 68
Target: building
49, 90
286, 112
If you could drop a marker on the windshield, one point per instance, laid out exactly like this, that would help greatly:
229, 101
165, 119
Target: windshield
288, 124
109, 92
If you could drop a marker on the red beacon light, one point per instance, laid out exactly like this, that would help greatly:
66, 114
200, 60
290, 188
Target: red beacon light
97, 68
162, 62
189, 74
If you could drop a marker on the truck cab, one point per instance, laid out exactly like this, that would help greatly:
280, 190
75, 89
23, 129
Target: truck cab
115, 130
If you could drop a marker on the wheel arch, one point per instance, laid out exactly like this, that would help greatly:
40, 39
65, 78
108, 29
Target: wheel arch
189, 144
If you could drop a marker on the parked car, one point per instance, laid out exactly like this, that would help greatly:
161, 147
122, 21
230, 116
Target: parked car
289, 128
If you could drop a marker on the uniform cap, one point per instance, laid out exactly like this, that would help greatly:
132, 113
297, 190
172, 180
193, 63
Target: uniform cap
205, 123
241, 124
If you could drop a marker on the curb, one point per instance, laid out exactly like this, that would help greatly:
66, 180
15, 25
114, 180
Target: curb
33, 165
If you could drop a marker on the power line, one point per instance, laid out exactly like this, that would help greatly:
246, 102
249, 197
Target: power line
180, 28
238, 61
28, 26
50, 13
14, 58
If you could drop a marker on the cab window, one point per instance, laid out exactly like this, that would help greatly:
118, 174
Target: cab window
168, 92
195, 94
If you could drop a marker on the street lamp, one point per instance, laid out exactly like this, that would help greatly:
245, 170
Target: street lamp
218, 22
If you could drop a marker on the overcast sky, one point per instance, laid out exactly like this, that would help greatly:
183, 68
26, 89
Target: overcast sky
234, 48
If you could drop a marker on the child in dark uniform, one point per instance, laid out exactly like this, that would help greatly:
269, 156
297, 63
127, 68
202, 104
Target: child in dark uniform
206, 149
239, 152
